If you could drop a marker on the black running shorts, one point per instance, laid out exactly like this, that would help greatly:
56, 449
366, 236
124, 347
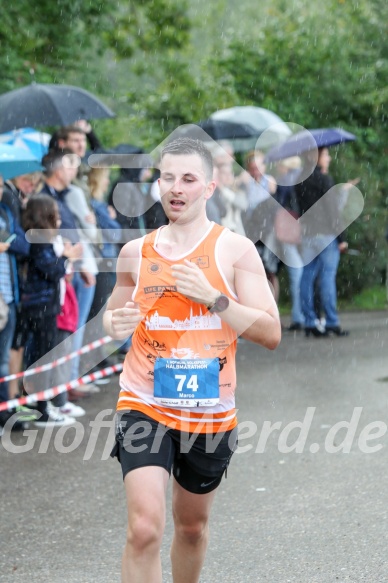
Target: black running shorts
198, 461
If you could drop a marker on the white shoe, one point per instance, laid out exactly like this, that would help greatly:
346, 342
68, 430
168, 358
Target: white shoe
72, 410
53, 418
89, 388
320, 326
102, 381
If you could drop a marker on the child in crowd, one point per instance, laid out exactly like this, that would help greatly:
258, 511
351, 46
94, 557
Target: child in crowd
41, 300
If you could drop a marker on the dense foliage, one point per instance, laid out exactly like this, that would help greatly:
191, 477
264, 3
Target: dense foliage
162, 63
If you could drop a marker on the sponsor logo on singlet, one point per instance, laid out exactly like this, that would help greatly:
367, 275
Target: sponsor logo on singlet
202, 261
158, 346
159, 291
154, 268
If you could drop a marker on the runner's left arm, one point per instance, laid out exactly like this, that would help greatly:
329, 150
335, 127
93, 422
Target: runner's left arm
255, 315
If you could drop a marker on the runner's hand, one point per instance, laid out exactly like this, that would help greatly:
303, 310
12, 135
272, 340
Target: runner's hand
124, 321
192, 283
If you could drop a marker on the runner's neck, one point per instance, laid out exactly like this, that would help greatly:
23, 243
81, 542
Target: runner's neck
175, 239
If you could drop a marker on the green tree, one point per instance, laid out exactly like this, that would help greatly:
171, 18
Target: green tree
54, 39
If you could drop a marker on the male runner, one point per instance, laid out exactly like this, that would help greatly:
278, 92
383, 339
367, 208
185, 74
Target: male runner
186, 292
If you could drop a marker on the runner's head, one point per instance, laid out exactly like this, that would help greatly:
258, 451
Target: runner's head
187, 147
186, 172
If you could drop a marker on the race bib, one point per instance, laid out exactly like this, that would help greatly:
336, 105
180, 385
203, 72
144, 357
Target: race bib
186, 382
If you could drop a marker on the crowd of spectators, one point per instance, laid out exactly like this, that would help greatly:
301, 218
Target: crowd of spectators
56, 281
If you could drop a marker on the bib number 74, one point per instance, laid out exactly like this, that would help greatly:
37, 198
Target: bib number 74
191, 384
187, 382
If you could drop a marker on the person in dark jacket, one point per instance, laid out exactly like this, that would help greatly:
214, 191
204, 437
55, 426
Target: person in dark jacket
41, 299
321, 249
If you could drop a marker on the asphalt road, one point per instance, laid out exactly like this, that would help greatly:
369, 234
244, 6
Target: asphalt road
306, 495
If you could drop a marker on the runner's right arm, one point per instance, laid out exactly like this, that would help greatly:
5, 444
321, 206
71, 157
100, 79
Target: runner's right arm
122, 316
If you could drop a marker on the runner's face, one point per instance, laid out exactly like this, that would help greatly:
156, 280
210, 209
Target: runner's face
184, 188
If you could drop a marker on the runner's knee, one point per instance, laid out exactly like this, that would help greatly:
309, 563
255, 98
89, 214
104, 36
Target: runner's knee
145, 532
192, 531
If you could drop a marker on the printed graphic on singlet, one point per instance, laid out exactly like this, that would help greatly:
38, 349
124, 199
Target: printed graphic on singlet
222, 362
154, 268
202, 261
221, 345
187, 382
154, 292
158, 346
200, 321
183, 353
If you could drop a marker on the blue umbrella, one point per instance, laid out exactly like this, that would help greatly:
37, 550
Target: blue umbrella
307, 140
16, 161
29, 139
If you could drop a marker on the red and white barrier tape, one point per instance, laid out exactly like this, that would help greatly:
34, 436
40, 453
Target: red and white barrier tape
50, 365
50, 393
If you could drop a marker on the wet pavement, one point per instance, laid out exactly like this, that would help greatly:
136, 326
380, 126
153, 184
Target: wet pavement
305, 500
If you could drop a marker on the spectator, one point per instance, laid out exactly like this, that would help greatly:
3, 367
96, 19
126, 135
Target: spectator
321, 249
98, 182
259, 185
16, 194
41, 299
287, 172
58, 177
259, 218
16, 246
136, 209
235, 201
18, 190
67, 324
12, 244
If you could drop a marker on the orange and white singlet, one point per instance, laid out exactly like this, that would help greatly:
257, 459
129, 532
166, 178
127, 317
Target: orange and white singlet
176, 333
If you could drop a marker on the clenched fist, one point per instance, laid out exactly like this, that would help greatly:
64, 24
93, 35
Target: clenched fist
123, 321
192, 283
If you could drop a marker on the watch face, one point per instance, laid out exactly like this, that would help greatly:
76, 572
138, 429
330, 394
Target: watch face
221, 304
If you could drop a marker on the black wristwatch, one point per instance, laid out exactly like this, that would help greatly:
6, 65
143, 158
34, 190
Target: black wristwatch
221, 303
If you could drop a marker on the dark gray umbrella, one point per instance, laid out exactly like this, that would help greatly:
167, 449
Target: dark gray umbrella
212, 129
307, 140
41, 104
219, 129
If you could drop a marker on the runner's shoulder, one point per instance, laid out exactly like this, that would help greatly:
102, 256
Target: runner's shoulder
240, 252
236, 244
131, 249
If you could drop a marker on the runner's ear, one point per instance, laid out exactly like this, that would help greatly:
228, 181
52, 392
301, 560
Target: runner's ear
210, 188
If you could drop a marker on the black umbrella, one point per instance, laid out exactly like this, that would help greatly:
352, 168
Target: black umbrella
42, 104
307, 140
214, 129
219, 129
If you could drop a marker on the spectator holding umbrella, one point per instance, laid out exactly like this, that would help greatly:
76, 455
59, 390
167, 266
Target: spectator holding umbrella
17, 190
321, 248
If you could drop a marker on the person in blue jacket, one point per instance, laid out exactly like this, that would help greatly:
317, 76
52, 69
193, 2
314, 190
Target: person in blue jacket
12, 244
